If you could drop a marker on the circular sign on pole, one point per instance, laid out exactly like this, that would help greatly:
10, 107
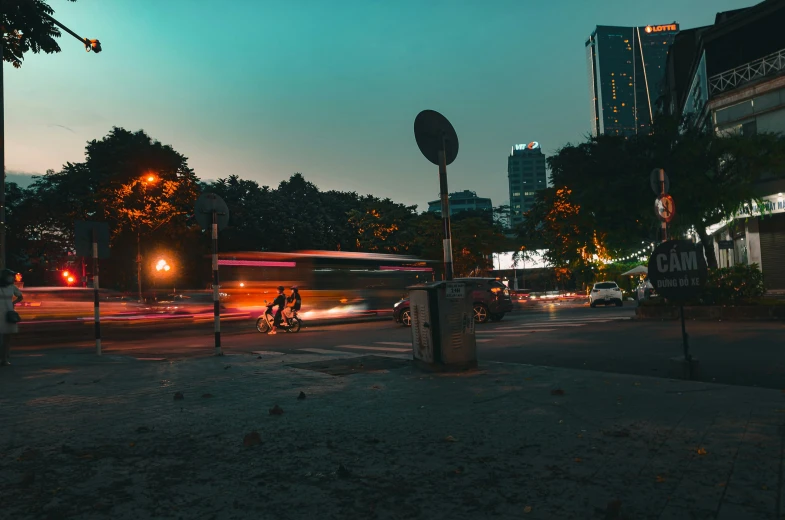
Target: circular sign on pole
205, 206
655, 182
434, 133
677, 269
665, 208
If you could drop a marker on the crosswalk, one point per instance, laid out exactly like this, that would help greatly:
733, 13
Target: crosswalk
484, 335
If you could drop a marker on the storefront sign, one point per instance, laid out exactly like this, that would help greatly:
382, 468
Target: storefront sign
662, 28
677, 269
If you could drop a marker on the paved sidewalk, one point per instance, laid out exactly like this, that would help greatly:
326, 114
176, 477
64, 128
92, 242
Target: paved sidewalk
93, 438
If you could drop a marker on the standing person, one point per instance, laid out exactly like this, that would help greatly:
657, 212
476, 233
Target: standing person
280, 301
9, 296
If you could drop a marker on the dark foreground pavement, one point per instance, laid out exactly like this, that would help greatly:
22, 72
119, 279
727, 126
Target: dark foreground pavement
92, 438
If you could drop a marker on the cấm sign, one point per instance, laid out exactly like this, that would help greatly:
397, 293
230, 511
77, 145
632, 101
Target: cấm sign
677, 269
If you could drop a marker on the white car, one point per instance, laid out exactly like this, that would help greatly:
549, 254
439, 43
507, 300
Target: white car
605, 293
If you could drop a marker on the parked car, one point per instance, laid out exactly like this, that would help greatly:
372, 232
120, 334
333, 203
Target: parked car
491, 301
605, 293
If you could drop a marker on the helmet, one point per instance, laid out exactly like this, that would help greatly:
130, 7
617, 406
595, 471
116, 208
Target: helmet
295, 288
280, 288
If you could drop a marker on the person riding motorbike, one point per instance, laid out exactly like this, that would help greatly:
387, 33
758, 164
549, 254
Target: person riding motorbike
293, 304
279, 301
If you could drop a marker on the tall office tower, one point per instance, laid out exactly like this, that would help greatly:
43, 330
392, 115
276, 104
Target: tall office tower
526, 175
626, 73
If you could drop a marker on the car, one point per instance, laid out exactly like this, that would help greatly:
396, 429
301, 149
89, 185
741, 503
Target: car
605, 293
491, 301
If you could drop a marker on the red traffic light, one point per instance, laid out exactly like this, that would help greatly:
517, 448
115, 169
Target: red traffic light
66, 274
92, 45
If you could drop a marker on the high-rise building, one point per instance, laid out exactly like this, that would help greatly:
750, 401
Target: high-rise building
526, 175
462, 201
626, 72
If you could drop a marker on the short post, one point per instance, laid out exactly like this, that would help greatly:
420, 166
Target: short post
96, 298
445, 199
662, 192
685, 338
216, 294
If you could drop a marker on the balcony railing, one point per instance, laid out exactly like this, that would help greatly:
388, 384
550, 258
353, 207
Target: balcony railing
767, 66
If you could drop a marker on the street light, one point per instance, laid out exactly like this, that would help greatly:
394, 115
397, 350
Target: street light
144, 180
90, 45
163, 267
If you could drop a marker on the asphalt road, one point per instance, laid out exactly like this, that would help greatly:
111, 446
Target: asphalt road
570, 336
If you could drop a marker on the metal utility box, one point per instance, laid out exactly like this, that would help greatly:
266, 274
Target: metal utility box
443, 326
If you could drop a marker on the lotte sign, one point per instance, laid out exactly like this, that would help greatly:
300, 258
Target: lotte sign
677, 269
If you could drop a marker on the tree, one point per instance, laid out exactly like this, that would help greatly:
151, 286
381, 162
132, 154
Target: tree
26, 28
140, 187
382, 226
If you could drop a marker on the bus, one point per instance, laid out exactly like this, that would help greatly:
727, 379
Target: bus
331, 283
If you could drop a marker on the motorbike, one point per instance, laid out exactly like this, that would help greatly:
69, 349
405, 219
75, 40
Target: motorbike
264, 323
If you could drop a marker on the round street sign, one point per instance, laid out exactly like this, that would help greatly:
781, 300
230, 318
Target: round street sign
655, 181
205, 206
677, 269
434, 133
665, 208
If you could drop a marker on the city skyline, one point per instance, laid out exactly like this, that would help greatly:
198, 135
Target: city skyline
337, 103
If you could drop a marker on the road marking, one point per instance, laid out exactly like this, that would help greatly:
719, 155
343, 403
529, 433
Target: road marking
512, 334
383, 349
321, 351
521, 327
399, 343
267, 353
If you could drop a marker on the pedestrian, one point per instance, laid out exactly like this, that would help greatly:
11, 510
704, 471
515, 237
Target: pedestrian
10, 295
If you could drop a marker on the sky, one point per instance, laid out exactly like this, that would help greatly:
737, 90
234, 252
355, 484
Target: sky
266, 88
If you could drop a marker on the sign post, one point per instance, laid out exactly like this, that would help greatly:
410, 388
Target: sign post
92, 240
677, 271
212, 213
438, 142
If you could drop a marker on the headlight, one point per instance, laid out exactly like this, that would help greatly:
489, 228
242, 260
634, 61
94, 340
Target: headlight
397, 304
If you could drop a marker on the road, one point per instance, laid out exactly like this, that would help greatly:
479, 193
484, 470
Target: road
569, 336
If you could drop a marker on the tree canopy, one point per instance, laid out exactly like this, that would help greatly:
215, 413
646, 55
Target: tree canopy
26, 29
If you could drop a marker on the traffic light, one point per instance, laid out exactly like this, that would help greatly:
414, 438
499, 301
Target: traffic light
66, 274
92, 45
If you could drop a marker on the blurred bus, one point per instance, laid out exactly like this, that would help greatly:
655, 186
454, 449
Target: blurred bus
57, 303
330, 282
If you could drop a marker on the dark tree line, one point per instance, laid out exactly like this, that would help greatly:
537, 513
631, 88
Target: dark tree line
146, 191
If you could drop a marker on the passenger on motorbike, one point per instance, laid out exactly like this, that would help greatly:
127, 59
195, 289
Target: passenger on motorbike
293, 304
280, 301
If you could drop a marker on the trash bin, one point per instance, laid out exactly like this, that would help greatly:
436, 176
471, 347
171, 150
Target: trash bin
443, 326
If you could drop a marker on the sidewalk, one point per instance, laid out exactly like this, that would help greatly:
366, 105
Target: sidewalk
91, 438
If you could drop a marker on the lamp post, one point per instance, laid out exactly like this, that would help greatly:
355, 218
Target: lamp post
144, 181
90, 45
162, 267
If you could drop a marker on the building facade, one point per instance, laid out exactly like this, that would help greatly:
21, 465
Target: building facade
626, 67
735, 84
462, 201
526, 175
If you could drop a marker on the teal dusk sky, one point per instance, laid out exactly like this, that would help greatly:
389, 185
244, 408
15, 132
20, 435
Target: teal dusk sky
263, 89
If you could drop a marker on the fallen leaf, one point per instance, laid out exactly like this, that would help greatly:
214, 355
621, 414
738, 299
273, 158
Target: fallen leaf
375, 387
27, 479
207, 396
252, 439
61, 383
528, 378
301, 396
276, 410
178, 396
660, 479
343, 472
580, 436
131, 444
722, 484
764, 487
578, 459
450, 438
702, 451
637, 384
558, 391
29, 455
527, 509
227, 367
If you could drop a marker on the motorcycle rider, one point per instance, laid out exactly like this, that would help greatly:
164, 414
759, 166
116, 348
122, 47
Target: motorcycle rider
280, 301
293, 304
